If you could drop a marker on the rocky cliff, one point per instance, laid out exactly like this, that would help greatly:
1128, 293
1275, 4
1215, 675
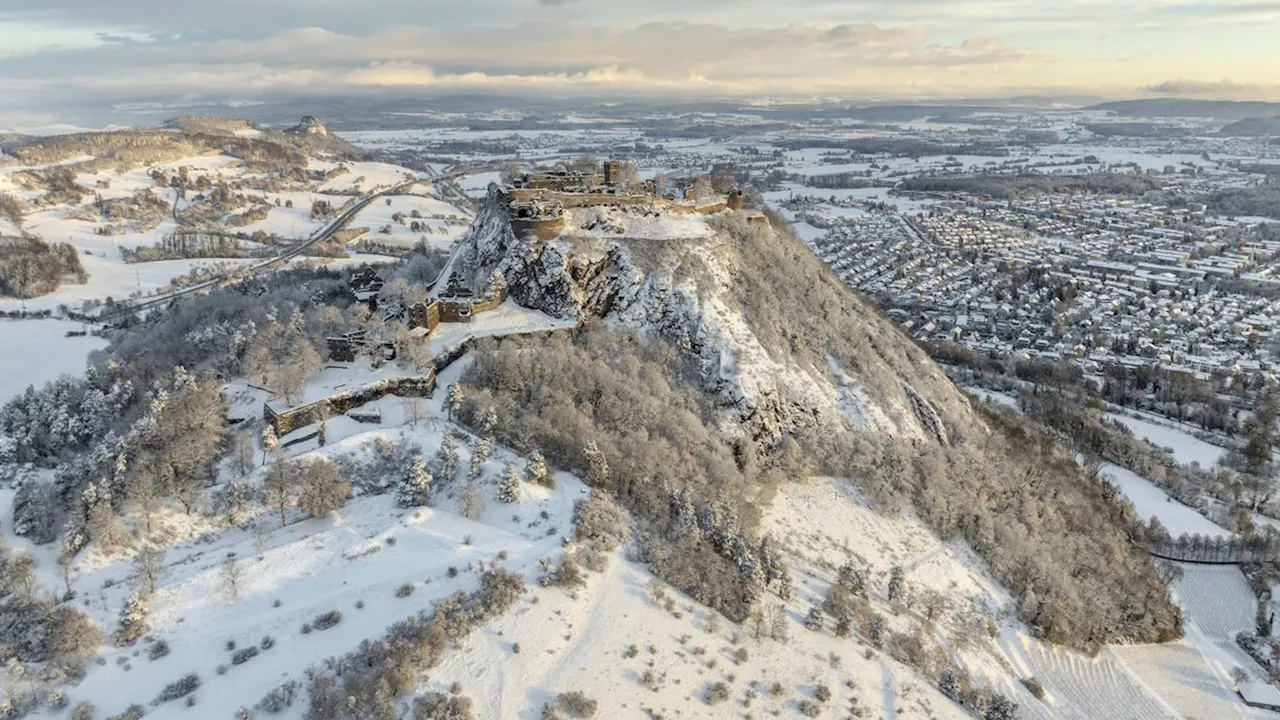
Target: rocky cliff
749, 342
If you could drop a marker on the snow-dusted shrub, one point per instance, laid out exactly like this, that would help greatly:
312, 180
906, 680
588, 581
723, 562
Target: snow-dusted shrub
822, 693
244, 655
133, 712
181, 687
267, 643
438, 706
809, 708
575, 704
279, 698
716, 693
379, 471
158, 649
82, 711
17, 571
499, 590
404, 590
567, 574
324, 621
599, 520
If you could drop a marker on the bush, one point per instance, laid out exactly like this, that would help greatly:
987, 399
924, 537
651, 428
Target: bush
438, 706
244, 655
809, 708
404, 590
182, 687
577, 705
716, 693
268, 642
82, 711
279, 699
133, 712
822, 693
327, 620
158, 649
600, 521
1034, 687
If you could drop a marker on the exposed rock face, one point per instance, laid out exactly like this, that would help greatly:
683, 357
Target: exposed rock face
310, 125
581, 277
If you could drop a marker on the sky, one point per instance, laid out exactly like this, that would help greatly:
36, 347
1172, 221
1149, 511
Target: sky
118, 51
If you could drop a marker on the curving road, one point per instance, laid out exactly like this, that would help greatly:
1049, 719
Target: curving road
323, 235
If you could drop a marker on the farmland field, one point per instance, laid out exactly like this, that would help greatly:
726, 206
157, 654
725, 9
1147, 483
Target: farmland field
1217, 599
1085, 688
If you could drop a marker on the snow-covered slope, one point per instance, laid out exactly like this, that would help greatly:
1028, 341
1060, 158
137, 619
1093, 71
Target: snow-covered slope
676, 275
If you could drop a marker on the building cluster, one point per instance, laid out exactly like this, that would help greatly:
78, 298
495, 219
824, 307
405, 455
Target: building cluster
1086, 279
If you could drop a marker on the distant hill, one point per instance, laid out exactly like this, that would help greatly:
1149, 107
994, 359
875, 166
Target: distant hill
1253, 127
1176, 107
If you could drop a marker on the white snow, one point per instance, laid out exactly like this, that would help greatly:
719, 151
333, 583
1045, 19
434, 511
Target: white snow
1186, 447
1149, 500
37, 351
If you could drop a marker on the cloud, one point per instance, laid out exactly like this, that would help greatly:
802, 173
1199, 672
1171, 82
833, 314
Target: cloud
796, 58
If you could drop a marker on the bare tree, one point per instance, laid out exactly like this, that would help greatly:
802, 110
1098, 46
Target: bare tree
232, 575
280, 487
148, 566
242, 453
323, 491
261, 535
413, 410
65, 557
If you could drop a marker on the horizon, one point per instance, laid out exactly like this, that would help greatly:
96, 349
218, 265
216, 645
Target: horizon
74, 54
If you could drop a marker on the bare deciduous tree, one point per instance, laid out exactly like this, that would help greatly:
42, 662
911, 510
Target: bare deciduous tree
232, 575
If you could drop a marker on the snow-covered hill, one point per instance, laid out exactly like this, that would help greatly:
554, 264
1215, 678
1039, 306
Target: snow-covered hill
679, 276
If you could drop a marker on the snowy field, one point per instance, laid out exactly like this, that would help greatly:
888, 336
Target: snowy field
37, 351
1149, 500
1186, 447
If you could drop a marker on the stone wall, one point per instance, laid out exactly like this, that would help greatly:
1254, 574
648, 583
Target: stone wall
544, 229
286, 421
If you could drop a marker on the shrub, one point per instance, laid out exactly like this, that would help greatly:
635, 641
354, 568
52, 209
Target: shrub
306, 628
1034, 687
404, 590
327, 620
268, 642
716, 693
133, 712
822, 693
279, 698
82, 711
182, 687
244, 655
438, 706
158, 649
600, 521
809, 708
577, 705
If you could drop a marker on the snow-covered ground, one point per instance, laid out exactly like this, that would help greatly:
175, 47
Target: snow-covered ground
1186, 447
635, 222
37, 351
1150, 501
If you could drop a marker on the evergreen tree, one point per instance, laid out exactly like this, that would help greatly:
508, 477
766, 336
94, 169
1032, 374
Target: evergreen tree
489, 422
446, 460
414, 489
509, 491
597, 465
454, 401
479, 456
895, 583
844, 626
536, 471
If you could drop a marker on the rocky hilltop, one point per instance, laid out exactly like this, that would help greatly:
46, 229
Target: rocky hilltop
711, 285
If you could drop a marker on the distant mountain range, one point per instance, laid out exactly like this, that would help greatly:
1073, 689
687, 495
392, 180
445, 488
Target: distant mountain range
1177, 107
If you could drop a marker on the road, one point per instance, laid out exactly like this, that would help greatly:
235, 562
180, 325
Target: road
295, 251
